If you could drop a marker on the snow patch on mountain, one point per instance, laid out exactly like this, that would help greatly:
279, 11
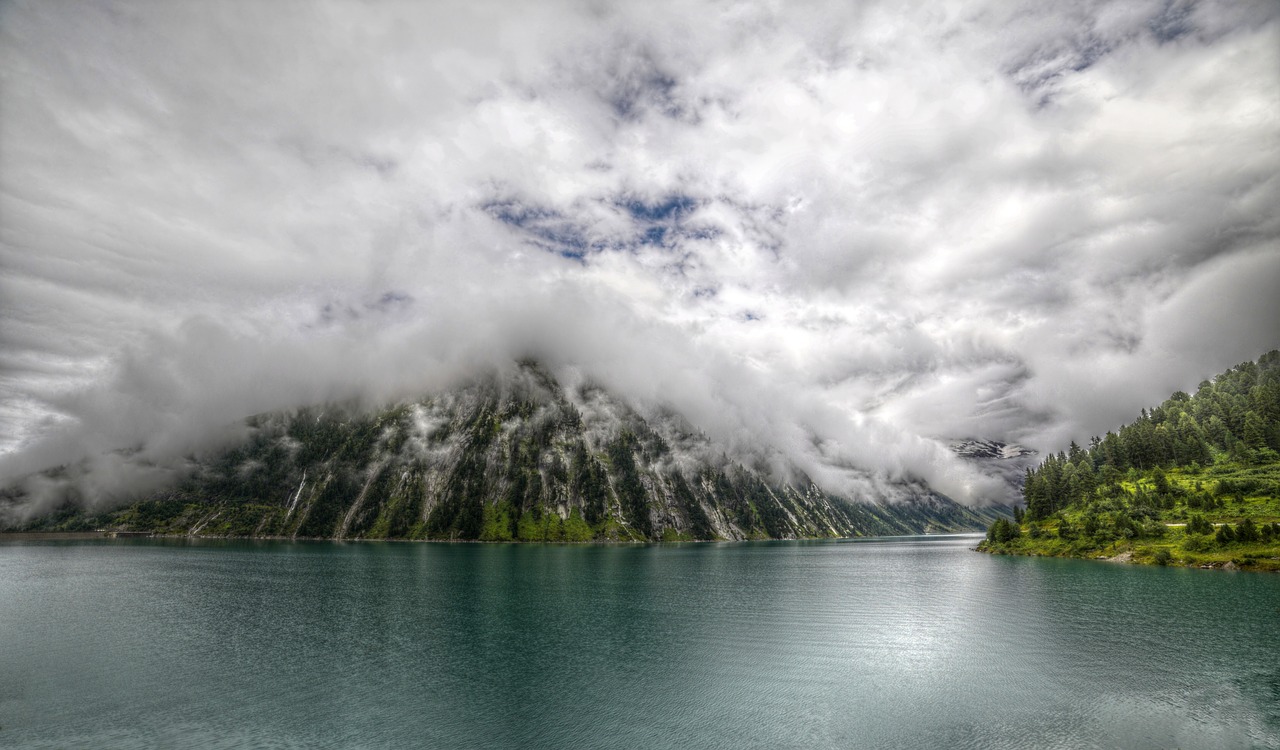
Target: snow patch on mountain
989, 449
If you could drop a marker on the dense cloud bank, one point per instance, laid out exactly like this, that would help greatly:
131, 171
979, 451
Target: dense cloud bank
847, 232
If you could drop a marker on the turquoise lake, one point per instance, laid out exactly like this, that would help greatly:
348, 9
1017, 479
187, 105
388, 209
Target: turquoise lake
913, 642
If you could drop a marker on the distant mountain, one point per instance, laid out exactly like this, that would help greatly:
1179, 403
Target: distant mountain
509, 457
991, 449
1009, 461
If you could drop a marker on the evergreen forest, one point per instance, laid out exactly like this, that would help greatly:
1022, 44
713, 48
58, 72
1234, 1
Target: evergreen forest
1194, 481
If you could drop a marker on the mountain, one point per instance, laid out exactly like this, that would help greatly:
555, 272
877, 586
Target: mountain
1194, 481
1009, 461
514, 456
989, 449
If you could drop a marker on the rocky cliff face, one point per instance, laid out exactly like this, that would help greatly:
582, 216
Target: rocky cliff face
511, 457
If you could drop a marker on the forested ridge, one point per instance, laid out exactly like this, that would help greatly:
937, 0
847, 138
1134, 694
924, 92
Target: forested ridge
515, 457
1193, 481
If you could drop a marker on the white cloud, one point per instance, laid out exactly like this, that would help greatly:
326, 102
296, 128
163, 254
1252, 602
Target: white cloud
874, 225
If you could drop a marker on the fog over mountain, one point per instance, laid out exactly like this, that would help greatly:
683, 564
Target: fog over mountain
849, 233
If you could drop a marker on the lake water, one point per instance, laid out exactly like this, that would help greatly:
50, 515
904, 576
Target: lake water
891, 643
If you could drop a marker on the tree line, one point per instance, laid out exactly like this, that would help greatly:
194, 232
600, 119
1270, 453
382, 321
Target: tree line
1234, 418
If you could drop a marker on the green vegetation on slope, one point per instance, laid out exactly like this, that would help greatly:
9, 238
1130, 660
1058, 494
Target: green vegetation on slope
1195, 481
503, 459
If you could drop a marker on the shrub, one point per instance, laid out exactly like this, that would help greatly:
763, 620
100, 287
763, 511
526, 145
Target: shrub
1196, 524
1246, 531
1197, 544
1154, 529
1163, 557
1003, 531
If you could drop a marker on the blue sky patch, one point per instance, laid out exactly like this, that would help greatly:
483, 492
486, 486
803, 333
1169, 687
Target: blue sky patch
546, 228
673, 207
652, 224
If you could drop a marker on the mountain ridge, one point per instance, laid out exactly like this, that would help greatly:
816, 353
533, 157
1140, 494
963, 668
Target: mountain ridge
989, 449
513, 457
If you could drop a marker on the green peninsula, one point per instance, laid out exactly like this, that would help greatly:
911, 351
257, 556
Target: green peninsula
1193, 482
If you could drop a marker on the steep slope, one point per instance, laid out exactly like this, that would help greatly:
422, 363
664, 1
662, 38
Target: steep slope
515, 457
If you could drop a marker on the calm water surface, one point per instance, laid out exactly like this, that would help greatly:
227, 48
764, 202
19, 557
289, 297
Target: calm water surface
894, 643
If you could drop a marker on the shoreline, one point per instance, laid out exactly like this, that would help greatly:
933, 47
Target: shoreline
43, 536
53, 536
1127, 556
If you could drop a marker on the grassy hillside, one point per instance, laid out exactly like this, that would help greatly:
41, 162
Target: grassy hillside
1195, 482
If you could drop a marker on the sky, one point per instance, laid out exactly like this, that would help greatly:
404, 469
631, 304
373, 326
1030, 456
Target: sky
849, 231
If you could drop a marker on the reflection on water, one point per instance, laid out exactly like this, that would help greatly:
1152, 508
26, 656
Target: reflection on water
906, 642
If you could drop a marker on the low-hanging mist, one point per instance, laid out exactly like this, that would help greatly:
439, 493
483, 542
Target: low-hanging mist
842, 235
